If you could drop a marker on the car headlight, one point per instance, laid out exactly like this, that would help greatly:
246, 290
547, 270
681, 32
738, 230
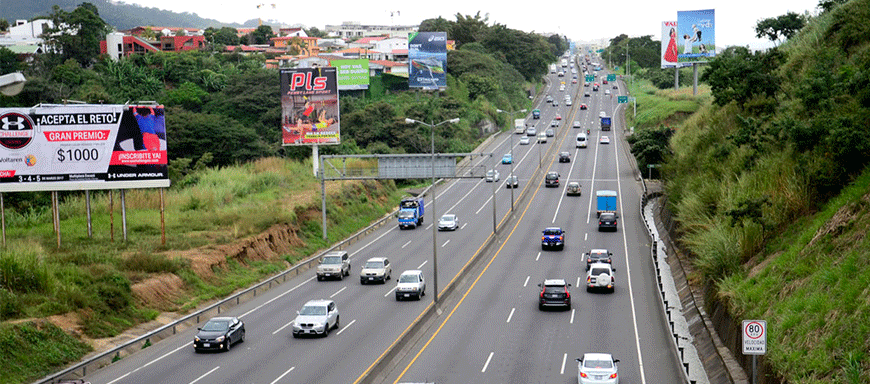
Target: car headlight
220, 339
321, 326
196, 338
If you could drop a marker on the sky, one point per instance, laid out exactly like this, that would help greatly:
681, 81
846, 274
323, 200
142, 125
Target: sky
578, 20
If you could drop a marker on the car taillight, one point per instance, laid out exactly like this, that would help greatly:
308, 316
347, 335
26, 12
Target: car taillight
600, 222
542, 294
613, 376
589, 279
588, 260
583, 375
543, 238
567, 294
609, 261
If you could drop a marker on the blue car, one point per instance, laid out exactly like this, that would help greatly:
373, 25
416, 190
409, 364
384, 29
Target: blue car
507, 159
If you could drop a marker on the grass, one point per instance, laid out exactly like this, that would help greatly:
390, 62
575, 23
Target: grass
31, 347
813, 292
92, 277
663, 106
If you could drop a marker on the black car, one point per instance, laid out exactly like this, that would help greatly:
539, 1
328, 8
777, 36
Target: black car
553, 237
607, 221
564, 157
554, 293
512, 182
552, 179
598, 256
219, 333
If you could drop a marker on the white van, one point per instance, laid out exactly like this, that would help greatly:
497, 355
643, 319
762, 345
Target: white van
581, 140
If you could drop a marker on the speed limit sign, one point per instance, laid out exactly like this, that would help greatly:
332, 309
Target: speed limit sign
754, 337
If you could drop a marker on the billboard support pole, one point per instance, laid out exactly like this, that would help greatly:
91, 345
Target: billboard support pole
88, 208
3, 218
124, 214
162, 220
112, 215
315, 155
55, 210
695, 79
676, 77
323, 202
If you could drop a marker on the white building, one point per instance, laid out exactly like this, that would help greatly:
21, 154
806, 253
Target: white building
353, 29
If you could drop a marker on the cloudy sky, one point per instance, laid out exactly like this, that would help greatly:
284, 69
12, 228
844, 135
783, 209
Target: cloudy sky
579, 20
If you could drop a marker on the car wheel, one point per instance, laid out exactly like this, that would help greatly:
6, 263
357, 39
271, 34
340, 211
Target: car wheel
362, 281
337, 318
340, 275
242, 338
347, 273
326, 330
295, 336
540, 307
319, 278
229, 344
588, 289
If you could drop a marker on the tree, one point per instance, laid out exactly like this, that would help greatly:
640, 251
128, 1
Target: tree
223, 36
8, 61
437, 25
827, 5
315, 32
739, 75
783, 26
469, 29
4, 24
262, 34
77, 34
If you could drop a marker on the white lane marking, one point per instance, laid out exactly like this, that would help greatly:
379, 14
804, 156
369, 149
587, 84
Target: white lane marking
390, 291
336, 293
527, 281
371, 242
564, 358
429, 226
586, 236
276, 297
628, 273
463, 226
206, 374
511, 315
154, 361
484, 205
538, 257
406, 244
565, 187
572, 315
282, 375
487, 362
445, 243
346, 327
578, 281
421, 265
282, 327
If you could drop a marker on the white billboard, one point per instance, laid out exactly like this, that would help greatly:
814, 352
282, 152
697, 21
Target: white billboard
76, 147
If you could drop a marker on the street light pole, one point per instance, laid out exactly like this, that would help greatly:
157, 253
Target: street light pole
434, 199
512, 153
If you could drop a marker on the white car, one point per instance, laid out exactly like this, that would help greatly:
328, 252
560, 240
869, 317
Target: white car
531, 131
411, 284
492, 176
542, 138
317, 317
334, 265
581, 140
376, 269
602, 114
597, 368
524, 140
604, 140
600, 277
448, 222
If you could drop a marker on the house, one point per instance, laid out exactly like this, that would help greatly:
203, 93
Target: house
307, 45
297, 32
351, 29
24, 38
377, 67
150, 31
119, 45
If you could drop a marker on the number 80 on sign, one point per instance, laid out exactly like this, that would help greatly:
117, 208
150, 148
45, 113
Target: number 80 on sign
754, 337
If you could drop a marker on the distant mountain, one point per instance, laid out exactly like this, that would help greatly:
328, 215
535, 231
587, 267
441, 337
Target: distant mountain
117, 14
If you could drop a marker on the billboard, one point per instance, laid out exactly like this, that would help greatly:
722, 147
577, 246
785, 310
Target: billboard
696, 36
75, 147
309, 106
351, 74
427, 60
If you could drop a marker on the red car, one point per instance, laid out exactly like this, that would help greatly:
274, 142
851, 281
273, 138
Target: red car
595, 84
582, 106
604, 82
573, 81
558, 117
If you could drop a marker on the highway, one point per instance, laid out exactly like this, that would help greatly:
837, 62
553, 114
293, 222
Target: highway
496, 334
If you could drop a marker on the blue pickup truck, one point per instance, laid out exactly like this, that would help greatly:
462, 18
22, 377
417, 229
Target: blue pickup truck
411, 212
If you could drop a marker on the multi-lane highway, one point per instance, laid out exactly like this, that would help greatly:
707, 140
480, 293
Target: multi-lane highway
496, 334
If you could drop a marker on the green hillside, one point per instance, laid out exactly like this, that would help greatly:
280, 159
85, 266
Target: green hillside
770, 188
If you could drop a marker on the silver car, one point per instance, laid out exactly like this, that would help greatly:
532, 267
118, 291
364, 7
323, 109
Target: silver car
317, 317
411, 284
524, 140
334, 264
376, 269
492, 176
448, 222
597, 368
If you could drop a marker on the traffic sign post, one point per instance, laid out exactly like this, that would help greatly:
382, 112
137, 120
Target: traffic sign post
754, 341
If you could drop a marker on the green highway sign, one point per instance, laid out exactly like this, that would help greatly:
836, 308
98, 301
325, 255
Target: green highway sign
590, 78
611, 77
600, 50
622, 99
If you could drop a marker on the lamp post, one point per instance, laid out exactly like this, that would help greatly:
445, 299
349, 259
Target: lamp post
512, 113
434, 195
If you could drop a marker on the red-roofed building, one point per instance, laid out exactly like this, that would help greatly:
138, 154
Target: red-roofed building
376, 67
308, 44
117, 45
244, 31
298, 32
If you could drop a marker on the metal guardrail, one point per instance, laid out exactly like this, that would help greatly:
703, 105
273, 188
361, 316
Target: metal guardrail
106, 358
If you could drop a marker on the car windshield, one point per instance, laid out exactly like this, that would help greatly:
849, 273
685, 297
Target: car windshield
608, 217
598, 271
490, 173
552, 176
374, 264
406, 214
554, 289
313, 310
552, 231
332, 260
408, 279
448, 218
216, 326
597, 364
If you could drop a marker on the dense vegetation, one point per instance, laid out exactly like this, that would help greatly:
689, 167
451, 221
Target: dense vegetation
766, 185
227, 168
